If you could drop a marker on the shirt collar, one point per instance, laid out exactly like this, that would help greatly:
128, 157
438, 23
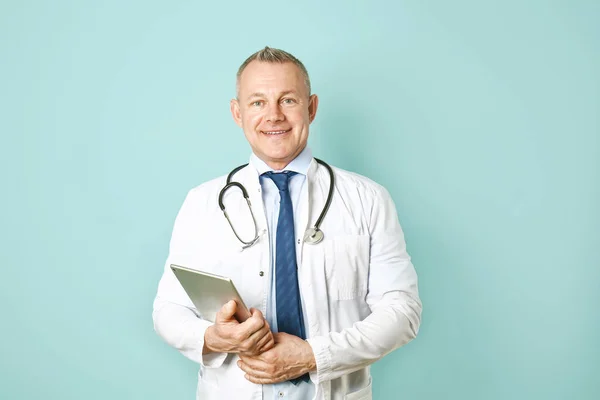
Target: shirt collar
299, 164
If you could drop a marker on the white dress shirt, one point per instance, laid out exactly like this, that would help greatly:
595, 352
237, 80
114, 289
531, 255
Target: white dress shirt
271, 201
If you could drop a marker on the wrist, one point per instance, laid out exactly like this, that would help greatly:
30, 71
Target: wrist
207, 349
310, 360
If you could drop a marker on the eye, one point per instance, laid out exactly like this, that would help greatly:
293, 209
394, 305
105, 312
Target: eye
256, 103
288, 101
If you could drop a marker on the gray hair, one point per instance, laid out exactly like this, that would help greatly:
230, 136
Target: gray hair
272, 55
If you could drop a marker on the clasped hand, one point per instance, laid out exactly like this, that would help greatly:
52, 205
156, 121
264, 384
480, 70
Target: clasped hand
228, 335
264, 357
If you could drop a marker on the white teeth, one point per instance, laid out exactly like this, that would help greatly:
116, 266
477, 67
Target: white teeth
274, 132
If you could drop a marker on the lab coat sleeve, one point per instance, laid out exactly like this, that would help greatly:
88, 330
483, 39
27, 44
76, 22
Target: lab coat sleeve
392, 297
174, 316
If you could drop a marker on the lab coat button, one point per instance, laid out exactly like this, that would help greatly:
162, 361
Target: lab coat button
261, 273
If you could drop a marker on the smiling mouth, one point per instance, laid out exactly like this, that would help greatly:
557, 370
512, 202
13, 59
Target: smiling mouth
275, 133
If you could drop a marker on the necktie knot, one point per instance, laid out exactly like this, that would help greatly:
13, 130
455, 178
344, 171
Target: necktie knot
281, 179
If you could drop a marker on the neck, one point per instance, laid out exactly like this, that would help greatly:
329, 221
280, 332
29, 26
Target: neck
279, 165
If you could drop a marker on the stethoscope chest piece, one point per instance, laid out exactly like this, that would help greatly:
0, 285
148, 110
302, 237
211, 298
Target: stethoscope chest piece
313, 236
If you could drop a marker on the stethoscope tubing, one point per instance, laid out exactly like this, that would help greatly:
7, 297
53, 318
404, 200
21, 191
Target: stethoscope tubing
229, 184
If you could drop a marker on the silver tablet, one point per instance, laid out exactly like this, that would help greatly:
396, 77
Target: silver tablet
209, 292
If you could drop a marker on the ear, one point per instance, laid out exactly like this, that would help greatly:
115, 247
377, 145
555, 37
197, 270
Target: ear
235, 112
313, 104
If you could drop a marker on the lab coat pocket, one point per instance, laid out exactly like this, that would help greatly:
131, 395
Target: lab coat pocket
347, 266
207, 388
362, 394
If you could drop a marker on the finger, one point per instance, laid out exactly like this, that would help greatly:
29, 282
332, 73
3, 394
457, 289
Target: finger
267, 325
266, 343
258, 339
256, 343
242, 313
254, 361
226, 312
253, 325
262, 378
262, 381
256, 313
253, 371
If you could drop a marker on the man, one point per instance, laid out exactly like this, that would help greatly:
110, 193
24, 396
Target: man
321, 313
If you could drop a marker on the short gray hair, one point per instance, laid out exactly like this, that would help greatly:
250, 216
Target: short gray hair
272, 55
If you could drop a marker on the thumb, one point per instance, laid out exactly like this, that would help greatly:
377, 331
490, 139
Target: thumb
227, 311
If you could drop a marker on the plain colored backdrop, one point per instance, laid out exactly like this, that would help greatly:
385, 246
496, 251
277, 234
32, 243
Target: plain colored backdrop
480, 117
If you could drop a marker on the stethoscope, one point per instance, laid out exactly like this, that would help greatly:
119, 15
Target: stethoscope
312, 235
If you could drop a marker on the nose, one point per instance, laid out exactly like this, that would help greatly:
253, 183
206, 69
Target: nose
274, 113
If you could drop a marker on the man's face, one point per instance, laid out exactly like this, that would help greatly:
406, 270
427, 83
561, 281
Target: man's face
274, 110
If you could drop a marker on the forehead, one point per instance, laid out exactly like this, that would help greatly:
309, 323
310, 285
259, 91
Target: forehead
271, 78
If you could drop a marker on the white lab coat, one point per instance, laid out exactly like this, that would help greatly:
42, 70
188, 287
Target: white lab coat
358, 286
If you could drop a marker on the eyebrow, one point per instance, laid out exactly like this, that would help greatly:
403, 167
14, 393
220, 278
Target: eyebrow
259, 94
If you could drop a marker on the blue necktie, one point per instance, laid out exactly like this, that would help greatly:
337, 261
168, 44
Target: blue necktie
288, 303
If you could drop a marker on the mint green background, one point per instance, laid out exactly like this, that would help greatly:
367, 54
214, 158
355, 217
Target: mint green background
480, 117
